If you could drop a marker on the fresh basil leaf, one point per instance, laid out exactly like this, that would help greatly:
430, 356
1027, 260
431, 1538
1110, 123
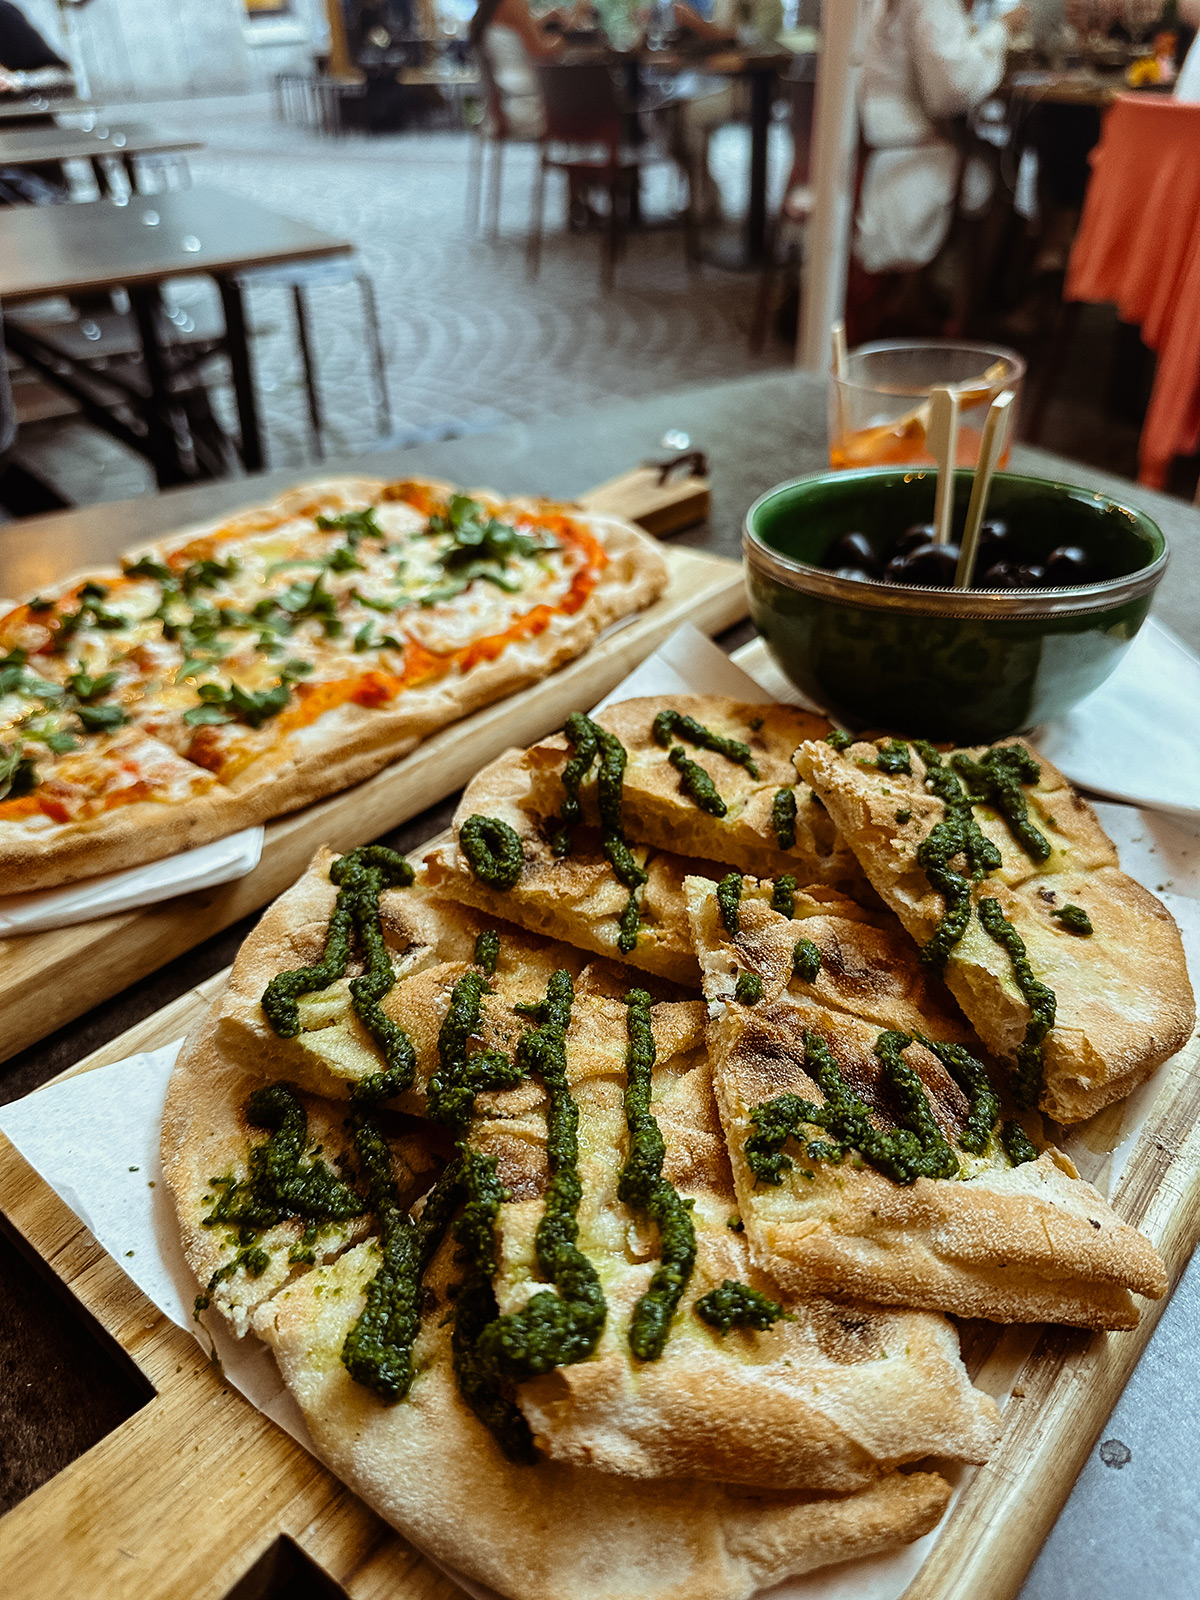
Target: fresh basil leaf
84, 687
18, 775
147, 567
355, 525
203, 716
372, 604
101, 719
343, 559
204, 574
40, 604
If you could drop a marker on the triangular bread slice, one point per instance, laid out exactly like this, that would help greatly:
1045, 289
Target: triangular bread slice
1124, 1000
660, 809
575, 898
1019, 1242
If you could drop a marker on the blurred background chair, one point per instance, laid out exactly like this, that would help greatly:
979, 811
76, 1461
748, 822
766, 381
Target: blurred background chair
593, 136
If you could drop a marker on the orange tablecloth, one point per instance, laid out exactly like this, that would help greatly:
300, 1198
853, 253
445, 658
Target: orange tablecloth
1139, 246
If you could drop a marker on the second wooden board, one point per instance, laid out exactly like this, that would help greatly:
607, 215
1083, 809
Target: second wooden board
76, 968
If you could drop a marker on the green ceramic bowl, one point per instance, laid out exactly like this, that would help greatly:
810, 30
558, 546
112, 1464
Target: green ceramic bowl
966, 665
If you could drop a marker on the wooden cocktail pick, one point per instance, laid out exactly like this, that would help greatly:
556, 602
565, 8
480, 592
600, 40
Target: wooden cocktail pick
941, 440
991, 448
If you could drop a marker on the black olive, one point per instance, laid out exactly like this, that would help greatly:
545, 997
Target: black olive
851, 550
933, 565
1068, 565
852, 572
913, 538
993, 536
1000, 575
1031, 576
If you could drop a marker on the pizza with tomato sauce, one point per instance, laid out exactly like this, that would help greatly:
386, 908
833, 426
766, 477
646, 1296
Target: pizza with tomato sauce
236, 671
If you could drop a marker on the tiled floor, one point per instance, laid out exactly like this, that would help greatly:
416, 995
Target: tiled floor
470, 342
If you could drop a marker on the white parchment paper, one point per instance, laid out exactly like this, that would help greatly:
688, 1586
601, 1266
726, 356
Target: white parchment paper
223, 861
95, 1138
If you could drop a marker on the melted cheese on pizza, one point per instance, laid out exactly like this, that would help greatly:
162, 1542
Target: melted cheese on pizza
194, 662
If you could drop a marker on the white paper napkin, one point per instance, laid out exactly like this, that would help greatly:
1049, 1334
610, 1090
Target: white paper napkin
1137, 738
95, 1140
203, 868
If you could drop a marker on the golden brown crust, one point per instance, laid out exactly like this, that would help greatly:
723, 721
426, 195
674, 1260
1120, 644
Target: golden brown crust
658, 812
1027, 1243
542, 1532
574, 898
1124, 1000
345, 745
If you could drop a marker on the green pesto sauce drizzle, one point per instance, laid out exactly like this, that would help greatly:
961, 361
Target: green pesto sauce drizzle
592, 742
737, 1305
552, 1330
783, 896
493, 851
361, 877
487, 951
916, 1149
1075, 920
1018, 1146
806, 960
694, 781
1041, 1000
957, 833
783, 818
894, 757
839, 740
285, 1182
458, 1078
995, 780
748, 990
983, 1103
670, 725
642, 1187
729, 894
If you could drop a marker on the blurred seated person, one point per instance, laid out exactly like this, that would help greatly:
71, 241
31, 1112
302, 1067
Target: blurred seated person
923, 63
510, 39
734, 22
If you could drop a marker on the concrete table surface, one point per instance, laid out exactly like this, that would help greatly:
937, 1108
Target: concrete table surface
1132, 1524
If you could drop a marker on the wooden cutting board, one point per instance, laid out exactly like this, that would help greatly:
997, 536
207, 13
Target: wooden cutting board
187, 1495
76, 968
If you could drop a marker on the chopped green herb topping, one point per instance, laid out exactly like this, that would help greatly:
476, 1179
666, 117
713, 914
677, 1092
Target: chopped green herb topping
916, 1148
361, 877
1018, 1146
1075, 919
956, 834
670, 725
995, 780
894, 757
748, 989
783, 818
493, 851
839, 740
737, 1305
1041, 1000
729, 895
642, 1187
783, 896
487, 951
806, 960
694, 781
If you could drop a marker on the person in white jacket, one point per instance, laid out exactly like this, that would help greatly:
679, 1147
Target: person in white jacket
922, 61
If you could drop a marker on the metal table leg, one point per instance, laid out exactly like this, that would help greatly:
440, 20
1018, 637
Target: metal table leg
169, 437
238, 349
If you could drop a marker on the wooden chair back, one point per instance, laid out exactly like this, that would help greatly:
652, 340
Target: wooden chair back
582, 103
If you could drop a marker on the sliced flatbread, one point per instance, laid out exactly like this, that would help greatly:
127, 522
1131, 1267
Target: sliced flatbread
810, 1410
660, 809
575, 898
1124, 1003
1013, 1237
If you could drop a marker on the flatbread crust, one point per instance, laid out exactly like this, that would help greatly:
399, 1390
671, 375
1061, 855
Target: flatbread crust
544, 1532
659, 813
347, 744
1125, 1002
1028, 1243
811, 1417
573, 898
